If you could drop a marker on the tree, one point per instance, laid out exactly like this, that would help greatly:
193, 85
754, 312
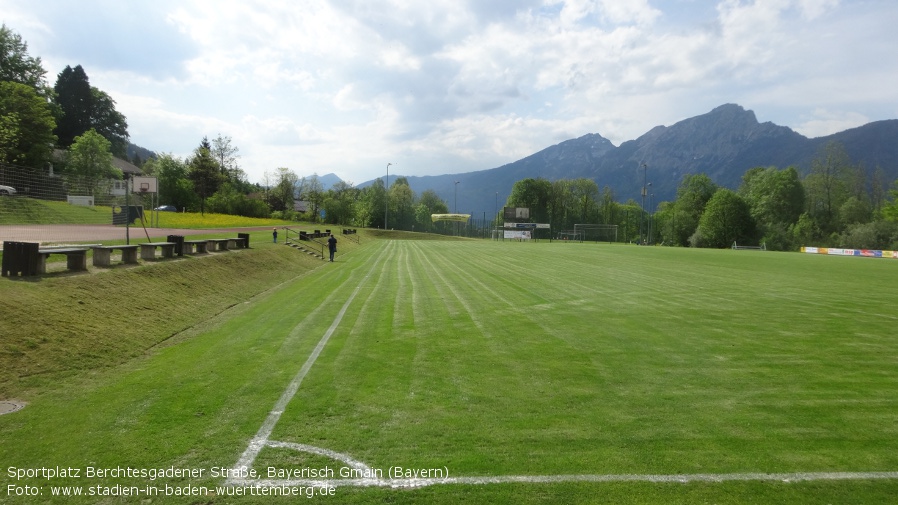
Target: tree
430, 203
108, 122
692, 195
535, 194
890, 209
282, 195
89, 163
17, 66
227, 200
828, 185
726, 219
74, 97
584, 193
775, 196
226, 156
204, 173
314, 193
608, 207
776, 199
340, 202
9, 134
371, 205
82, 107
402, 199
27, 126
174, 184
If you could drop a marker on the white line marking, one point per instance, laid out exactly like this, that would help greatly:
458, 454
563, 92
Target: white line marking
555, 479
261, 439
349, 460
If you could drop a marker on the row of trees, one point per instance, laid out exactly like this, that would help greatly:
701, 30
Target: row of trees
836, 204
211, 181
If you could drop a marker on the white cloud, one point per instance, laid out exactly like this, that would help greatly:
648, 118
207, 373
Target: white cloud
448, 86
824, 122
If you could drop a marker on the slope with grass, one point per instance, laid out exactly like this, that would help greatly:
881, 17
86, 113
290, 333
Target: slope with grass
59, 325
513, 360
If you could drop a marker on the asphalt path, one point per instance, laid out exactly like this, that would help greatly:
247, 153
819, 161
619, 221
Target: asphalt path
68, 233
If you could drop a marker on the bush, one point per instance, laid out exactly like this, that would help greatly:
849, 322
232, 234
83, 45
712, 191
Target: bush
229, 201
875, 235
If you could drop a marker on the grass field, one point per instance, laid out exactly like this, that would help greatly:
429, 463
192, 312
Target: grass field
603, 374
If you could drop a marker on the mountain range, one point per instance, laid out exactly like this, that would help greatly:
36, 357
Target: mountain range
723, 144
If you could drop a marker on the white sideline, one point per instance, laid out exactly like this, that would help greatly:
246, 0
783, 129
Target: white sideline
556, 479
261, 439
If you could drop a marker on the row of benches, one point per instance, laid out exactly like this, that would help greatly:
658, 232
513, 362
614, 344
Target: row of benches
27, 258
305, 235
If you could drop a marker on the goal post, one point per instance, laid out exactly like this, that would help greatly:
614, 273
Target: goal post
597, 232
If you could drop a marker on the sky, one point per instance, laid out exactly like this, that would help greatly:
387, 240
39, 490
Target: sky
452, 86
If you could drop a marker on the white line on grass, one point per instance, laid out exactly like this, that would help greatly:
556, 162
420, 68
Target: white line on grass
559, 479
261, 439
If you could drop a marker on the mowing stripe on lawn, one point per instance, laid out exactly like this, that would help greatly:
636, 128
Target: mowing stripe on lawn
462, 292
261, 439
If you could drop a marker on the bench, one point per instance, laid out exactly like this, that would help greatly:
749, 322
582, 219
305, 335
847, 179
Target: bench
76, 258
148, 250
223, 244
218, 244
200, 245
102, 254
238, 243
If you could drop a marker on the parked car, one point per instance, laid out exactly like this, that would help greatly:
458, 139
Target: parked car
7, 190
167, 208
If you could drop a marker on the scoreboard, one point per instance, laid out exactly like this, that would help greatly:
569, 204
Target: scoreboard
512, 213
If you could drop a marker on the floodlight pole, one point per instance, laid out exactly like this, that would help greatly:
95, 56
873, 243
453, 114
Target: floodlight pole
642, 214
387, 197
496, 217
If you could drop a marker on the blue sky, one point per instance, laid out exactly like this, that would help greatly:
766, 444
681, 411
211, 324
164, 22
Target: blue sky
450, 86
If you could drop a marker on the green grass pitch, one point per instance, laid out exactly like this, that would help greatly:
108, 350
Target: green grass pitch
603, 373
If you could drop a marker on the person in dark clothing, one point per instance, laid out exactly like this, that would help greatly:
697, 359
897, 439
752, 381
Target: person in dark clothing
332, 245
274, 234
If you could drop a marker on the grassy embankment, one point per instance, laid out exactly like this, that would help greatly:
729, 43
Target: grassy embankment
64, 324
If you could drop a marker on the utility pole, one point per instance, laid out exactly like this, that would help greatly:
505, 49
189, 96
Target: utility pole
387, 197
642, 214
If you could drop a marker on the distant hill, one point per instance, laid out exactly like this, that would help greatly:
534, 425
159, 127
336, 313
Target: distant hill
328, 180
723, 144
141, 152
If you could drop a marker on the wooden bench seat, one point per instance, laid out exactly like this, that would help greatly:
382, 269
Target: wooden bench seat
103, 253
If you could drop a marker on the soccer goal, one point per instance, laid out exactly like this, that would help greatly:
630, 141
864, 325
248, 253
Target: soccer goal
569, 235
737, 247
597, 232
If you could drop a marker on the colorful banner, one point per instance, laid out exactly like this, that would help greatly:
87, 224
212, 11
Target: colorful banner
866, 253
517, 235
